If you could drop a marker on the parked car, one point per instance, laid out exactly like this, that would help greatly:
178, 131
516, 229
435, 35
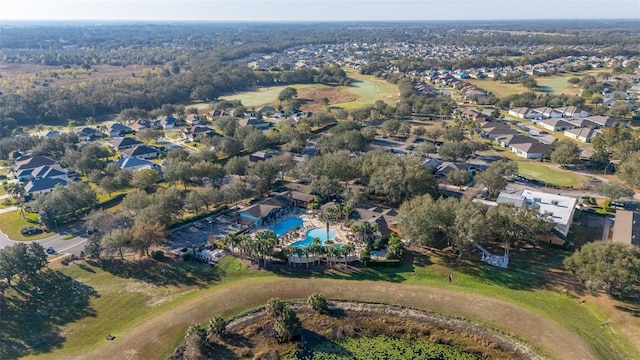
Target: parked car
51, 251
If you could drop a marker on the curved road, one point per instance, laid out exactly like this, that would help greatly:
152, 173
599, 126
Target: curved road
57, 242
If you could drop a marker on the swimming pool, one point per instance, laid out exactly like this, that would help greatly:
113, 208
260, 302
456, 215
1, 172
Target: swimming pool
320, 233
286, 226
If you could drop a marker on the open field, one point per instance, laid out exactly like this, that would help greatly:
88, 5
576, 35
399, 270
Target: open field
148, 307
555, 84
365, 90
17, 77
547, 175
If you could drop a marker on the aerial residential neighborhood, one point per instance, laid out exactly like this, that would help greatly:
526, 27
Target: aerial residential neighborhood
250, 190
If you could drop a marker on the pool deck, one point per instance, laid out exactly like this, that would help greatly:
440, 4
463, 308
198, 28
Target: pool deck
310, 221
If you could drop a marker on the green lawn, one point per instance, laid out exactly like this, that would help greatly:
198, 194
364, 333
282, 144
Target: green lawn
547, 175
161, 300
11, 222
557, 84
366, 89
498, 88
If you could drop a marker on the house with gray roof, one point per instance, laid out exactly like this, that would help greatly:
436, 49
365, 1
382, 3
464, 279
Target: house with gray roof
41, 186
531, 150
585, 135
556, 124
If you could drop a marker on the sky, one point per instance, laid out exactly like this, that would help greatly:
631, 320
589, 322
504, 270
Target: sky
316, 10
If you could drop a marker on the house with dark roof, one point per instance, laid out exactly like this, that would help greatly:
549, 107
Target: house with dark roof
168, 122
605, 121
142, 152
118, 130
143, 124
585, 135
124, 143
531, 150
626, 228
267, 110
299, 194
36, 187
193, 132
492, 130
584, 123
32, 162
88, 134
265, 211
384, 218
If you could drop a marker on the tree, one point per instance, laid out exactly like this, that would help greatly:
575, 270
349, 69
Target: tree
136, 200
565, 152
255, 140
453, 133
265, 241
194, 341
454, 150
324, 102
395, 245
64, 203
529, 83
325, 187
236, 166
614, 190
629, 169
459, 177
287, 325
114, 241
494, 176
176, 170
328, 216
610, 266
145, 234
507, 224
318, 303
144, 179
217, 326
287, 94
433, 133
620, 109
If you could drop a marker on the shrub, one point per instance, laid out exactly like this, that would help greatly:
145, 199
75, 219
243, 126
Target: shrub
318, 303
186, 256
157, 255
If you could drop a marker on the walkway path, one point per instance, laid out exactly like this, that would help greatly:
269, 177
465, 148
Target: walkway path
9, 209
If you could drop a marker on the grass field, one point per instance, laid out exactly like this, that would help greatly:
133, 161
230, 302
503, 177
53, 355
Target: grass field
11, 222
365, 90
557, 84
547, 175
148, 306
498, 88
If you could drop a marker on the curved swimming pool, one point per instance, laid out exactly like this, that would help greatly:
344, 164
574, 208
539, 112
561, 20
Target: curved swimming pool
320, 233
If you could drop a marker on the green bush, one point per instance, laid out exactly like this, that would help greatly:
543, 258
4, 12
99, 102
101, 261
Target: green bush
157, 255
186, 257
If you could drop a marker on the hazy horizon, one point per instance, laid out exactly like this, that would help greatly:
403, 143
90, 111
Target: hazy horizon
317, 10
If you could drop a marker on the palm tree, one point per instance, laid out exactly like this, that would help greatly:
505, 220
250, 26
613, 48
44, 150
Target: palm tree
17, 193
217, 326
316, 248
348, 249
265, 241
327, 216
231, 241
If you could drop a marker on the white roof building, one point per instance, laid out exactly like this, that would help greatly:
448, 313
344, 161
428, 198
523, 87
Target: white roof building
560, 208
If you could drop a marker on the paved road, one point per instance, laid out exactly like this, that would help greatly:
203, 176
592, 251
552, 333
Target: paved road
57, 242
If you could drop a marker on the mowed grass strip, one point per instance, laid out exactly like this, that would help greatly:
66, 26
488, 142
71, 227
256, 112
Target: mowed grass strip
546, 175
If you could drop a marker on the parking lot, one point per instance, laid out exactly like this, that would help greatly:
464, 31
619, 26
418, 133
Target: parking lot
198, 232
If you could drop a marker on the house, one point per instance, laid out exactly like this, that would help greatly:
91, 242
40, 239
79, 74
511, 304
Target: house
548, 112
556, 124
51, 134
584, 135
609, 102
524, 113
216, 114
584, 123
474, 115
604, 121
169, 122
573, 112
193, 132
266, 110
626, 228
30, 163
447, 167
531, 150
259, 156
559, 208
432, 163
143, 124
298, 194
384, 218
265, 211
135, 164
256, 123
88, 134
193, 119
118, 130
49, 172
142, 152
124, 143
36, 187
492, 130
508, 140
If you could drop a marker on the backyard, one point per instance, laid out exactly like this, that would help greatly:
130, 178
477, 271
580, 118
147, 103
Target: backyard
547, 175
